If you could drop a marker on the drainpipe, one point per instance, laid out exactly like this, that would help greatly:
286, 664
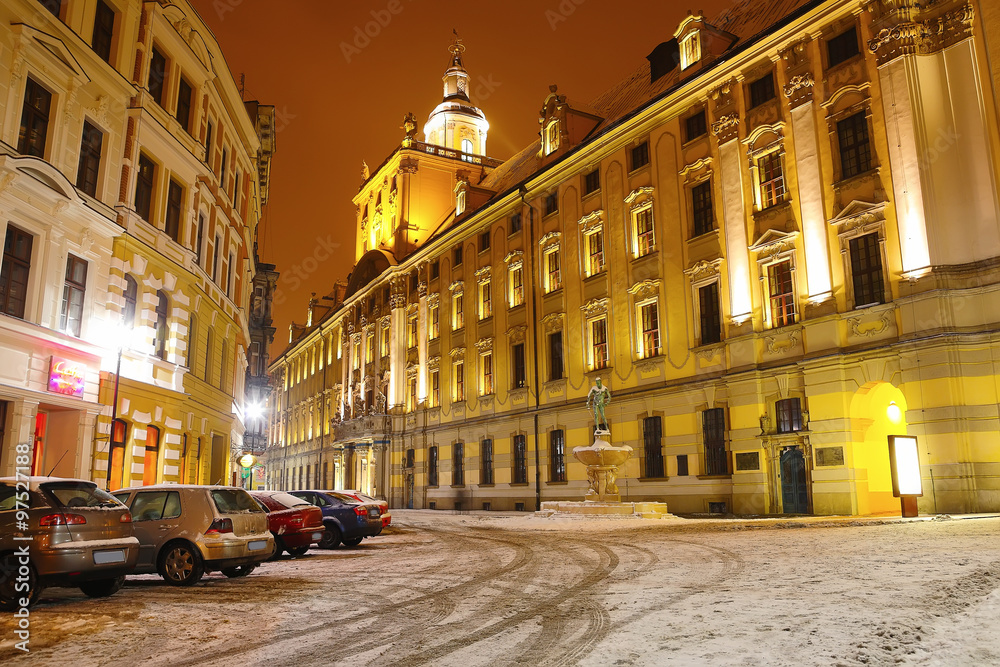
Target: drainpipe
523, 191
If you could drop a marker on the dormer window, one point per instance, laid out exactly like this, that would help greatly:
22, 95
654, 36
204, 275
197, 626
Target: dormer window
690, 48
460, 202
551, 137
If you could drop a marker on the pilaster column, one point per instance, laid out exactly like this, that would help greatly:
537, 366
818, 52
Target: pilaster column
22, 431
397, 344
422, 388
734, 217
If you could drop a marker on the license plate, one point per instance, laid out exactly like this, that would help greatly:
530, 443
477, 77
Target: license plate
257, 545
105, 557
373, 512
317, 536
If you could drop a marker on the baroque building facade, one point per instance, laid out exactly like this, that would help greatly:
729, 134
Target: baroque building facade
134, 179
777, 242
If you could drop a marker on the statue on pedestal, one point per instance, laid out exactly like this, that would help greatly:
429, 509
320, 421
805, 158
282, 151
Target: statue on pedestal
599, 397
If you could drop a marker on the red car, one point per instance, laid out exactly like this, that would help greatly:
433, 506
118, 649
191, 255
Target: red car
294, 523
383, 506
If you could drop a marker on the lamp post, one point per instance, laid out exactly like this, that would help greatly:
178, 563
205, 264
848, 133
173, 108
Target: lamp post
119, 336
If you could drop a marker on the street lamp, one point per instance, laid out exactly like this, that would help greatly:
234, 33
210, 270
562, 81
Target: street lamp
247, 461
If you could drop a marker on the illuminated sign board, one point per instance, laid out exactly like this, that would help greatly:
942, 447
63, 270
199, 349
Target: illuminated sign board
67, 377
904, 463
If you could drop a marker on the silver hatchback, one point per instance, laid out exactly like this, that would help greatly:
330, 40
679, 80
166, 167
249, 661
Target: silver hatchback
186, 530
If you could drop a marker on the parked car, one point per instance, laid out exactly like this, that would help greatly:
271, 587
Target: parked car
294, 523
186, 530
80, 537
344, 518
364, 498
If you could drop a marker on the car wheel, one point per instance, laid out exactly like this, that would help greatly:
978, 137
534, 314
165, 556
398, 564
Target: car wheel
298, 551
238, 571
10, 597
331, 538
181, 564
352, 542
102, 588
279, 547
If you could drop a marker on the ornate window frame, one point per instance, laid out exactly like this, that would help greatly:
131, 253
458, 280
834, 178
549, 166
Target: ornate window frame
774, 247
484, 294
859, 219
487, 383
515, 264
594, 311
550, 247
763, 142
591, 225
703, 274
645, 293
639, 201
457, 290
844, 103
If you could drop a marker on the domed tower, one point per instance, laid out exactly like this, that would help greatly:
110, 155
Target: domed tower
456, 123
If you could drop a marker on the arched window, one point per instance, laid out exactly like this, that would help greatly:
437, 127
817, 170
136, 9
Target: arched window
131, 294
160, 337
467, 146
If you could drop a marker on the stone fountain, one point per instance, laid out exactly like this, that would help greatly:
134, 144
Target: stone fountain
602, 460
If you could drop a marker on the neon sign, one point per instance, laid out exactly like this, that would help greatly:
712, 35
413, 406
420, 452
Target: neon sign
67, 377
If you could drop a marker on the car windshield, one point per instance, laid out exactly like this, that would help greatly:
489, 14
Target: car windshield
234, 501
288, 500
80, 494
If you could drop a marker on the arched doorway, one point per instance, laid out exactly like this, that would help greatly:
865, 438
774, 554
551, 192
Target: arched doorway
878, 410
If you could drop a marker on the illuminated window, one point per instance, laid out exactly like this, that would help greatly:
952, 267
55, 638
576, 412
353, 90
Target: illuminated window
411, 330
74, 289
598, 343
384, 342
690, 48
649, 318
458, 315
551, 137
435, 397
460, 202
467, 147
411, 393
771, 178
485, 300
595, 252
369, 348
645, 240
781, 293
516, 285
553, 274
486, 366
458, 371
434, 315
356, 354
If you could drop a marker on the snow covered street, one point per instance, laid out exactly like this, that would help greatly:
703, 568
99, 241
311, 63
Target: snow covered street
494, 589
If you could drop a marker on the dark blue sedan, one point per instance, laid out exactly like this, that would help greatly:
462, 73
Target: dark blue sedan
344, 518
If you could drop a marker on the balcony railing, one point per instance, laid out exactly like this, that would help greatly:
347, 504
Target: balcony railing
471, 158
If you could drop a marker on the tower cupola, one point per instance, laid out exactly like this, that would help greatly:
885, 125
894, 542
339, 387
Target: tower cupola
456, 123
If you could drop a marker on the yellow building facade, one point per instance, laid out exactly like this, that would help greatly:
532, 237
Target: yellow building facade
776, 242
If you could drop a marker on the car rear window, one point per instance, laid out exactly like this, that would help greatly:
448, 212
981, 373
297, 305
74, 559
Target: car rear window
234, 501
79, 494
288, 500
8, 498
347, 500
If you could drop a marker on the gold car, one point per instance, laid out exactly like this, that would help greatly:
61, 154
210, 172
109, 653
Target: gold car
186, 530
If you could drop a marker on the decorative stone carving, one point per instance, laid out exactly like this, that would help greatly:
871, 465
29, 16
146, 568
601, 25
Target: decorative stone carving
722, 94
595, 307
646, 289
859, 328
697, 170
458, 353
901, 35
397, 301
515, 256
422, 289
797, 83
517, 334
781, 344
549, 239
726, 127
591, 221
433, 299
553, 322
639, 197
456, 287
704, 270
483, 275
484, 344
433, 364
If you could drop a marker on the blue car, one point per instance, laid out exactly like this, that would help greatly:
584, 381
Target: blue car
344, 518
